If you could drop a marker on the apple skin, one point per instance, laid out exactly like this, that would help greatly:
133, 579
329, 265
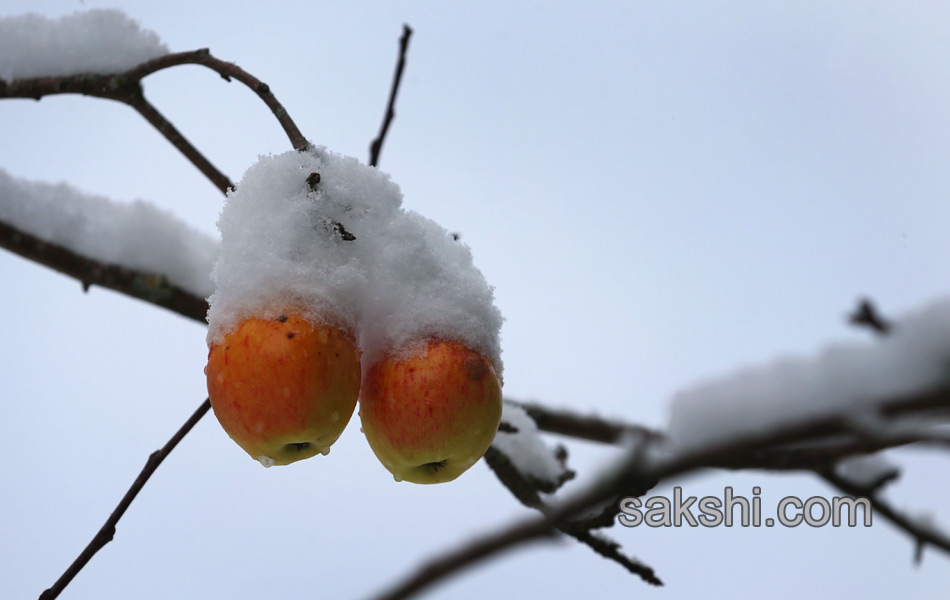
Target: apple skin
284, 388
430, 416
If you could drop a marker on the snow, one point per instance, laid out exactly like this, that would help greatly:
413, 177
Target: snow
843, 379
95, 41
402, 281
525, 448
136, 235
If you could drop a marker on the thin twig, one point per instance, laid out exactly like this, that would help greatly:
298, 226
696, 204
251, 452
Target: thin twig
121, 89
920, 532
585, 427
126, 87
377, 145
867, 315
107, 532
152, 288
171, 133
227, 70
521, 488
485, 547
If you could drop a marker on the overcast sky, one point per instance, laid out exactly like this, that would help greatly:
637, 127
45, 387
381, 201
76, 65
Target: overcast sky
660, 193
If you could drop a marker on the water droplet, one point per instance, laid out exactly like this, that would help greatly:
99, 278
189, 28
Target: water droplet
220, 377
286, 392
361, 429
325, 451
335, 416
267, 461
397, 477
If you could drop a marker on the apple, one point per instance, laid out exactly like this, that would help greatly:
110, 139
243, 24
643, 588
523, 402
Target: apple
284, 388
431, 415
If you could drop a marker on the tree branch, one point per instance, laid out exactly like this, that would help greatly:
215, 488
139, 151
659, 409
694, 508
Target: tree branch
377, 145
126, 87
522, 489
651, 462
152, 288
121, 89
481, 549
107, 532
922, 533
171, 133
584, 427
227, 71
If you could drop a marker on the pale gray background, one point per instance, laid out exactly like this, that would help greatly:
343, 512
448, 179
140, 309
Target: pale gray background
660, 192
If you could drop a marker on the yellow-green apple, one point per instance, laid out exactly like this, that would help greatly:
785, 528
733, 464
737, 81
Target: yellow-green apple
430, 416
284, 388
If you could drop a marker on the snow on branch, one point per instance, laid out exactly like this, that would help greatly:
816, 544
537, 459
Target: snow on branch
843, 379
134, 248
828, 414
527, 467
652, 460
95, 41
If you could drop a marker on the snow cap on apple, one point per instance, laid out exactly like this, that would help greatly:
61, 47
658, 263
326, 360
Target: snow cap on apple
402, 279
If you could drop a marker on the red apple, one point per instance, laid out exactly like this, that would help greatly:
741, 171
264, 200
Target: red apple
284, 388
430, 416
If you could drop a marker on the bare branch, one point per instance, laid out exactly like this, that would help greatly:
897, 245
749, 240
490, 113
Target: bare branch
635, 475
522, 489
227, 71
152, 288
594, 429
126, 87
922, 533
107, 532
164, 126
377, 145
121, 89
483, 548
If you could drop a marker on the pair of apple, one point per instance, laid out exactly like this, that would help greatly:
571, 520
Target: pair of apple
285, 388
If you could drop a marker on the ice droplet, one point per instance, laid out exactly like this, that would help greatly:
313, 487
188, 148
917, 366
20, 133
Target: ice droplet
335, 416
325, 451
267, 461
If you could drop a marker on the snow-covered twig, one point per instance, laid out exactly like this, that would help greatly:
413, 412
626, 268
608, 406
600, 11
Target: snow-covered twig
651, 462
376, 145
107, 532
150, 287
